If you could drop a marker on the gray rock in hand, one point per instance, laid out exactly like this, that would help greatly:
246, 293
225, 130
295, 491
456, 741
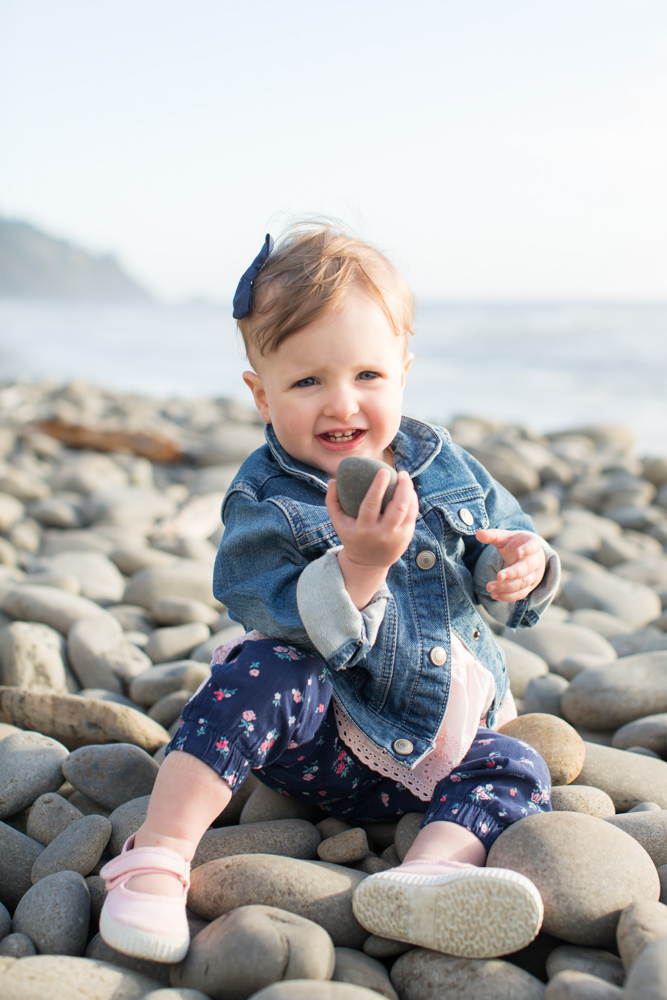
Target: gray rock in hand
353, 479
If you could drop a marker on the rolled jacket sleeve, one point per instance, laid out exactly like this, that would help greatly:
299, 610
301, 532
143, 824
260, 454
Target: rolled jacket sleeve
340, 632
268, 584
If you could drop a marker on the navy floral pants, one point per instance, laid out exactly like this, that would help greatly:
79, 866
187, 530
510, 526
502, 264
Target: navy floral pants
268, 708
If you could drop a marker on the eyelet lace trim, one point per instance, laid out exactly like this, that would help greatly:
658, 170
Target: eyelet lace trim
471, 693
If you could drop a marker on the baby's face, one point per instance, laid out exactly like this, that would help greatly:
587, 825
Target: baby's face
335, 388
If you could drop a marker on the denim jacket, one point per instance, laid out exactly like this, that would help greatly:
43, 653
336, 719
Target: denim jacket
277, 572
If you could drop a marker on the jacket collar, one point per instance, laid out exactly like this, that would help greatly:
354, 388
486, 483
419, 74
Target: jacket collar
415, 446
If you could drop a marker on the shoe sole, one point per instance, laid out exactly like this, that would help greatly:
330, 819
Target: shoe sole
141, 944
484, 916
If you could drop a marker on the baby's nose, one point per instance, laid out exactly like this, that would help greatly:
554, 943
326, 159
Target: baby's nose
341, 403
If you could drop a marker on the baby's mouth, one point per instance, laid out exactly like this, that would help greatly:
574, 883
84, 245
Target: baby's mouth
341, 437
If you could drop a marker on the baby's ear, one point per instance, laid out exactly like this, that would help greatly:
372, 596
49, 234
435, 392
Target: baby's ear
407, 362
254, 383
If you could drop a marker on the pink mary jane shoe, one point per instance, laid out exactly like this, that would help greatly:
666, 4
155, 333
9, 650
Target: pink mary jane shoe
142, 924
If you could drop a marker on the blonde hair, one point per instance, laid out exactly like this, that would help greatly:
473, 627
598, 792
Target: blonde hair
310, 271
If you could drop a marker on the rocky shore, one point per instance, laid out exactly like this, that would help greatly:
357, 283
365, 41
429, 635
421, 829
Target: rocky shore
107, 625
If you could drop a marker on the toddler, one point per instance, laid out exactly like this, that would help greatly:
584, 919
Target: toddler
369, 683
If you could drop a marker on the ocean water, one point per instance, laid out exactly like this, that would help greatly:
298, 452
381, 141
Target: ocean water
551, 366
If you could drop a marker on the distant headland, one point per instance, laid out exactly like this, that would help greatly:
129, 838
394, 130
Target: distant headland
35, 265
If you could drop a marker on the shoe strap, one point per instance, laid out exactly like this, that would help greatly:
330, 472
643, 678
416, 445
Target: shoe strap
146, 861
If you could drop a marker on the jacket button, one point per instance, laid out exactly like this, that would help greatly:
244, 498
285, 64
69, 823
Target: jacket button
476, 634
466, 516
425, 559
438, 656
403, 747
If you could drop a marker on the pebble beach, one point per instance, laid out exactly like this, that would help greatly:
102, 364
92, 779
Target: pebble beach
109, 525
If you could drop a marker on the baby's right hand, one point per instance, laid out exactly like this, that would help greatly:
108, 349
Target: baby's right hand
374, 539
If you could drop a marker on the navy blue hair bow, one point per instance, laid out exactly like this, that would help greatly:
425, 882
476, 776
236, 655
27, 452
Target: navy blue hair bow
243, 296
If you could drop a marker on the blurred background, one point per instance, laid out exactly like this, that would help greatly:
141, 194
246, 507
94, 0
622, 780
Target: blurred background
509, 157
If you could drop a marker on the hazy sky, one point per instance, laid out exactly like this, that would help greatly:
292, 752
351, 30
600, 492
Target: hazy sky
496, 148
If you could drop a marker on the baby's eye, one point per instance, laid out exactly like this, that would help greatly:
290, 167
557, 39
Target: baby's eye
368, 376
303, 383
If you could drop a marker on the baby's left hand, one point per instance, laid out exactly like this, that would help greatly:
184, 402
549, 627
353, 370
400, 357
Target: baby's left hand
524, 563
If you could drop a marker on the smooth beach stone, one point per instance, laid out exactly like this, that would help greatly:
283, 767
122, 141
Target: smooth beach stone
645, 807
370, 865
31, 655
181, 578
101, 655
345, 847
265, 803
50, 606
175, 642
30, 764
183, 611
252, 947
640, 925
422, 975
553, 643
49, 816
510, 469
88, 473
100, 694
100, 579
315, 890
87, 805
63, 977
17, 946
560, 746
604, 624
18, 854
355, 967
132, 618
522, 665
406, 832
585, 869
79, 721
168, 709
354, 476
5, 921
11, 511
131, 559
205, 651
129, 505
391, 856
307, 989
22, 484
646, 640
100, 951
625, 599
609, 697
647, 979
592, 961
77, 849
55, 914
574, 985
98, 893
7, 730
111, 774
292, 838
175, 993
649, 829
651, 571
126, 820
159, 681
583, 799
380, 947
543, 695
649, 731
229, 443
573, 665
